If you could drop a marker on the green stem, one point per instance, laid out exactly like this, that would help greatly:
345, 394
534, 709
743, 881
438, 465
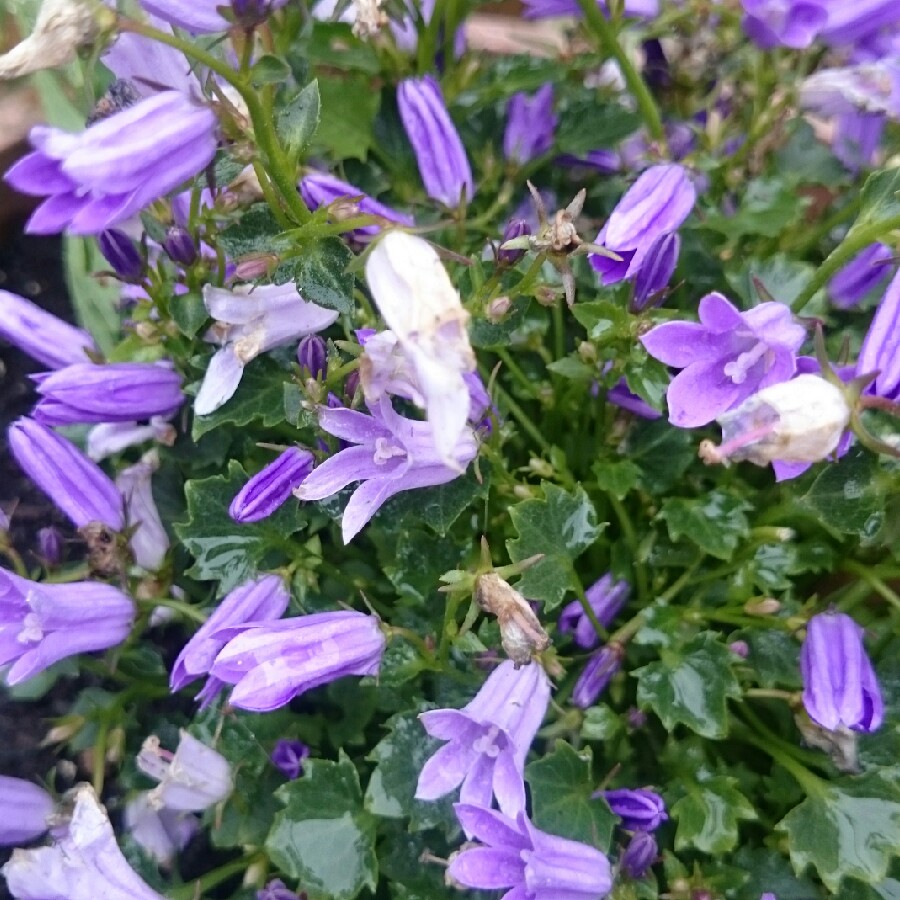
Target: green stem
516, 371
269, 193
631, 542
523, 419
99, 761
608, 40
18, 563
449, 629
681, 581
180, 606
877, 585
208, 881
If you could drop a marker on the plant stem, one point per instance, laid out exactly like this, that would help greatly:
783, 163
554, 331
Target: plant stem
516, 371
201, 885
681, 581
522, 418
609, 43
871, 579
631, 541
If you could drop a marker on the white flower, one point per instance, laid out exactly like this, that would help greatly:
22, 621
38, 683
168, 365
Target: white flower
149, 541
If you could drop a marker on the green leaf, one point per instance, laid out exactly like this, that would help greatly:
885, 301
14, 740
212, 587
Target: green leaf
224, 550
708, 815
269, 69
259, 398
561, 526
255, 232
320, 273
879, 201
573, 367
188, 312
349, 107
324, 838
783, 277
617, 477
769, 870
95, 300
561, 784
603, 320
648, 378
601, 724
769, 206
847, 829
297, 122
662, 453
585, 125
690, 686
714, 522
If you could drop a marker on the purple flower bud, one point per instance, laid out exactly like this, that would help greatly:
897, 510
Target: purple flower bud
312, 354
857, 138
786, 23
75, 484
277, 890
596, 675
266, 491
40, 334
880, 351
112, 392
639, 855
351, 385
654, 274
439, 152
119, 251
514, 228
44, 623
306, 650
202, 16
740, 648
249, 13
866, 271
180, 246
25, 808
639, 810
287, 757
530, 124
840, 689
606, 599
51, 546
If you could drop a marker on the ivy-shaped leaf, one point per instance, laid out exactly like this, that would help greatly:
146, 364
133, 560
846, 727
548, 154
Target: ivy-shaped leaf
708, 815
715, 522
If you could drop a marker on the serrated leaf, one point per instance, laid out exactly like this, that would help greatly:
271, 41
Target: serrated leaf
715, 522
603, 320
349, 107
769, 206
323, 837
297, 122
320, 273
255, 232
708, 815
224, 550
847, 829
189, 313
561, 784
561, 526
690, 686
662, 453
269, 69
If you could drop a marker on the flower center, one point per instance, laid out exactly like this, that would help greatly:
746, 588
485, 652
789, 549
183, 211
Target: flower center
31, 631
738, 368
384, 450
487, 743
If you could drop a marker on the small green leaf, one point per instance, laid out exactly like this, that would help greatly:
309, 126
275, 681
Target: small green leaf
715, 522
349, 107
708, 815
320, 273
573, 367
783, 277
879, 200
269, 69
690, 686
769, 207
255, 232
188, 312
561, 784
662, 453
298, 121
603, 320
617, 477
561, 526
847, 829
324, 838
601, 724
95, 300
585, 125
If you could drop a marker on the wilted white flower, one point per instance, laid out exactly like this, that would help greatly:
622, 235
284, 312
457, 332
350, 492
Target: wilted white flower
149, 541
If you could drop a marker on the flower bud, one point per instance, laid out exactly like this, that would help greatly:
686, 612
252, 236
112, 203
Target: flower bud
515, 228
26, 809
257, 265
287, 756
521, 632
50, 542
119, 251
277, 890
180, 246
639, 855
266, 491
740, 648
351, 385
312, 354
597, 674
655, 272
639, 810
530, 124
497, 309
764, 606
606, 598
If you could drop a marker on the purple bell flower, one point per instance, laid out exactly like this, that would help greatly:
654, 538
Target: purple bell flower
880, 351
112, 392
840, 688
784, 23
866, 271
439, 151
287, 757
119, 251
655, 205
639, 855
872, 87
277, 890
530, 864
320, 189
202, 16
391, 454
83, 862
606, 597
312, 354
40, 334
112, 170
514, 228
109, 438
75, 484
596, 675
269, 665
530, 125
639, 809
544, 9
25, 809
51, 545
488, 740
261, 600
726, 357
40, 624
180, 246
857, 139
853, 23
268, 490
654, 275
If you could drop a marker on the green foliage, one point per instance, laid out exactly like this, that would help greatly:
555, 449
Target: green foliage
715, 522
708, 815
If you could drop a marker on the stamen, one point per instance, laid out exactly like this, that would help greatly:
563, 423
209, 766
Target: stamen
385, 451
737, 369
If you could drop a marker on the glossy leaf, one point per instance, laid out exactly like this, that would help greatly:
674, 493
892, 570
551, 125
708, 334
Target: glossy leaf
708, 815
715, 522
320, 273
298, 121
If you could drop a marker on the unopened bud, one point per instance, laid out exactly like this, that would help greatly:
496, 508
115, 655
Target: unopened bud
740, 648
258, 265
765, 606
521, 632
119, 251
351, 385
180, 246
515, 228
497, 309
312, 354
50, 544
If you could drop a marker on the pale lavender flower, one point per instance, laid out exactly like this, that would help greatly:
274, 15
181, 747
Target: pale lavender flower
656, 204
840, 688
489, 739
871, 87
654, 275
606, 598
863, 274
543, 9
880, 351
596, 675
639, 855
268, 490
260, 600
25, 808
112, 170
288, 755
150, 541
203, 17
41, 334
161, 833
191, 779
112, 437
320, 189
785, 23
249, 321
391, 454
271, 664
530, 125
83, 862
112, 392
529, 863
75, 484
639, 809
857, 139
726, 357
439, 151
40, 624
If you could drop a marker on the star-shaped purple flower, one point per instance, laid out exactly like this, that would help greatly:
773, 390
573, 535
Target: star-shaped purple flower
726, 357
